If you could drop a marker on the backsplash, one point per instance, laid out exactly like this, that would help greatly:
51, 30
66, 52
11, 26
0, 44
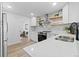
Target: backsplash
57, 29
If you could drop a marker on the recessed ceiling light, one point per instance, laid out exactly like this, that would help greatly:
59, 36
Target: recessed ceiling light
8, 6
32, 14
54, 3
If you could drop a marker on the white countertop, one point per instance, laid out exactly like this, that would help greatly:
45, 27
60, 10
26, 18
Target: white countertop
51, 48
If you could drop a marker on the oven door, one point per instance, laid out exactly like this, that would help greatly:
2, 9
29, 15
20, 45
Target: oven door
42, 36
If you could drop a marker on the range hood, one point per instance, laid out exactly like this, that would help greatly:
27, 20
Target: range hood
46, 19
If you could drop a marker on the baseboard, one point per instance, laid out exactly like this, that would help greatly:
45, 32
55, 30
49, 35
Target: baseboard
12, 43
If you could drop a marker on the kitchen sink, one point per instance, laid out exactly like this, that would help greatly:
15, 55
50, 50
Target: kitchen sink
65, 38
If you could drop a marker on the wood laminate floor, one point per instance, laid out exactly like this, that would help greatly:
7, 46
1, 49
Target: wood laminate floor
16, 50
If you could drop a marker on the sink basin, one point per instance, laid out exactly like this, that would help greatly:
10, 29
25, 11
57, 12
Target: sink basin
65, 38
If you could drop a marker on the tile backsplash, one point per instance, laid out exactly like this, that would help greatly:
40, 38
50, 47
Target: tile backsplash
58, 29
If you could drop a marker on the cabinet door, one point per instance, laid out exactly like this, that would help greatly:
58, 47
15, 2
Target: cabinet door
73, 12
33, 21
65, 14
34, 36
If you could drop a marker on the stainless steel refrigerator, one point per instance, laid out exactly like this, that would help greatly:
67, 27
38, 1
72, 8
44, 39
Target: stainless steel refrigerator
4, 33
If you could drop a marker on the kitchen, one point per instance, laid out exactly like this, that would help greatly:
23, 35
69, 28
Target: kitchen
56, 25
48, 26
50, 23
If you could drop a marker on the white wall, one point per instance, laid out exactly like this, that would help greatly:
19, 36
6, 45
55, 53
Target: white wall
15, 27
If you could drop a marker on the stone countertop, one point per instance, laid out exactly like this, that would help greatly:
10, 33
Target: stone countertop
52, 48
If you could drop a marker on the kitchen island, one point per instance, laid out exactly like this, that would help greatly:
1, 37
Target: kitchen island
52, 48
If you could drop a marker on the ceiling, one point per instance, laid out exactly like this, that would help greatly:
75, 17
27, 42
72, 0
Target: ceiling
38, 8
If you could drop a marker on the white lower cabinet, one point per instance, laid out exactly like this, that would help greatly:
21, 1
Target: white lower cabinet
34, 36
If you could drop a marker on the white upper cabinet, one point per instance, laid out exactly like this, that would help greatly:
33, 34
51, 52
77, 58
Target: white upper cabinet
73, 12
65, 14
33, 21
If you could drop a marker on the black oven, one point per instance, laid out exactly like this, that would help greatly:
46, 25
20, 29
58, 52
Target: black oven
42, 36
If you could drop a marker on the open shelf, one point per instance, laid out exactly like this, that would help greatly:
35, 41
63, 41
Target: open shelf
55, 17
